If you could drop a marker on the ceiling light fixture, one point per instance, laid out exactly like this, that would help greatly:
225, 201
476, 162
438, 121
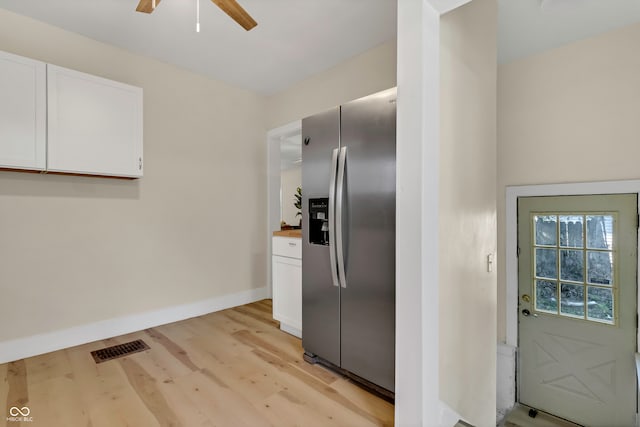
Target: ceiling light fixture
230, 7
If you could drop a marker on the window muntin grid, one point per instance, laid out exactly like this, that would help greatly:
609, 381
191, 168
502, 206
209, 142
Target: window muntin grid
574, 261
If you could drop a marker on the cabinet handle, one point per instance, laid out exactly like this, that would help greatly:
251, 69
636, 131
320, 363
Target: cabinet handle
292, 244
139, 163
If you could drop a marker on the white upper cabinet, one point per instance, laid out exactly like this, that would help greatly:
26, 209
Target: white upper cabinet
59, 120
23, 112
94, 125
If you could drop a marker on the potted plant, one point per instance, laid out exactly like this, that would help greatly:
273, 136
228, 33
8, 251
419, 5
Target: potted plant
298, 203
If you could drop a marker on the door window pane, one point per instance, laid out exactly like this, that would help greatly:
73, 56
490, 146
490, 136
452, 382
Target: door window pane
572, 300
600, 268
546, 263
571, 231
546, 296
600, 304
600, 231
574, 265
571, 265
546, 228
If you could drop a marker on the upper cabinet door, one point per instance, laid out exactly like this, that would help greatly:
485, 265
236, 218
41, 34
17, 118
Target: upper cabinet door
95, 125
22, 112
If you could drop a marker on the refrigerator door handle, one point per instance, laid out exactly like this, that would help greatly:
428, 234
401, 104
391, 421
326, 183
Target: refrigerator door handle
332, 218
342, 160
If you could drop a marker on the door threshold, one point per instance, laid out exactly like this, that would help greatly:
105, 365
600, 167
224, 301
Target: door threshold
519, 417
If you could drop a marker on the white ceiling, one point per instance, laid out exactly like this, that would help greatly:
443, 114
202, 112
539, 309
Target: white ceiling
294, 39
527, 27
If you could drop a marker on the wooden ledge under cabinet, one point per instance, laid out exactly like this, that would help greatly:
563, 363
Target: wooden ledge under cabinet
296, 233
41, 172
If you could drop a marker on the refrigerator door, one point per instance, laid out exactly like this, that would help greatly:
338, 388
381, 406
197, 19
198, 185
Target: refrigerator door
320, 296
367, 302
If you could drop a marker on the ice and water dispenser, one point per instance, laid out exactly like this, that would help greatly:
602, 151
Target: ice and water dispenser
319, 221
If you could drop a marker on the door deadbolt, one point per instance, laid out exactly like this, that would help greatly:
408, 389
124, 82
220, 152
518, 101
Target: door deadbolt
526, 298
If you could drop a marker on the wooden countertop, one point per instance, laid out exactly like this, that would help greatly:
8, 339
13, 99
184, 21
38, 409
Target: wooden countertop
289, 233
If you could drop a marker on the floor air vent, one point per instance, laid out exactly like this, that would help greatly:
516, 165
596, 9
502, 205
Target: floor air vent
119, 350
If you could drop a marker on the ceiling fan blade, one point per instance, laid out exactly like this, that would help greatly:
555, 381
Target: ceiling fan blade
236, 12
146, 6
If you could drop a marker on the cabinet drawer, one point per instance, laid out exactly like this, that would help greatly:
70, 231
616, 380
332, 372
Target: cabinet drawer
287, 246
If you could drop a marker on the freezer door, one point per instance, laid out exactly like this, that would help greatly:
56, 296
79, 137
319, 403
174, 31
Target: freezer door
368, 131
320, 298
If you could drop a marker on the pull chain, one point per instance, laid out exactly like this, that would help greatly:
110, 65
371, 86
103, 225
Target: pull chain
197, 16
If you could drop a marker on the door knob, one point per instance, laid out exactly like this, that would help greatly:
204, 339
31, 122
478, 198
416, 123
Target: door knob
526, 312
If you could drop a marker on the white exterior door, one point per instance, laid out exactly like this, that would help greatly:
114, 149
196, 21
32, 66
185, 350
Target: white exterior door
577, 270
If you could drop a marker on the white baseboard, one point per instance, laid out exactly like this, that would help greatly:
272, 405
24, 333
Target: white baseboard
296, 332
505, 380
34, 345
447, 417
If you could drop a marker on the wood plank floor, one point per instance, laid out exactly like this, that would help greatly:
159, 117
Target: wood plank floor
227, 369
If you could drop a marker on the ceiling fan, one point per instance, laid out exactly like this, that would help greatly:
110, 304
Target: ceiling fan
230, 7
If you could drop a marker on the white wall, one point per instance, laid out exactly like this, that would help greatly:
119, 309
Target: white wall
446, 115
568, 115
467, 211
77, 250
367, 73
417, 396
290, 180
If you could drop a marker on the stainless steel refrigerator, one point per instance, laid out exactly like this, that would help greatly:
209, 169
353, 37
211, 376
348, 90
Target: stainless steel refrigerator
348, 230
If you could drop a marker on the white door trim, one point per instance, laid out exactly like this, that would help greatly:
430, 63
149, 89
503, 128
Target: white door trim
274, 137
511, 259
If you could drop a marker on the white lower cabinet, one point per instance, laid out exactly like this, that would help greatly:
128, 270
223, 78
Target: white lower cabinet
287, 284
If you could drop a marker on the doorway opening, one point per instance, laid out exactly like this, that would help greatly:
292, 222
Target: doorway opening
283, 158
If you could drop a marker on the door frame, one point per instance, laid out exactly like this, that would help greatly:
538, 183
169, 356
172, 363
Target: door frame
511, 246
274, 137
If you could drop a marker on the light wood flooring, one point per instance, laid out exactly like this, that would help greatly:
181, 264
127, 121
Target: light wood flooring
232, 368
